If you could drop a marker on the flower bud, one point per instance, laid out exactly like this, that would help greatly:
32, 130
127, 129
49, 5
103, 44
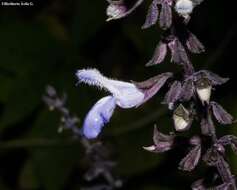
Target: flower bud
203, 88
115, 11
184, 7
181, 118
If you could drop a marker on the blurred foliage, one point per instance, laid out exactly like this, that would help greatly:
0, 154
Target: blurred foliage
47, 43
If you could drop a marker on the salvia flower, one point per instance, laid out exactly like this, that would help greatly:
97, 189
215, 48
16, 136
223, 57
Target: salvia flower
117, 9
162, 142
165, 15
124, 95
182, 118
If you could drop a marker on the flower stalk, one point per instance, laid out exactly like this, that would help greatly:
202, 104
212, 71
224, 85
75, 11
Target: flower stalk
189, 99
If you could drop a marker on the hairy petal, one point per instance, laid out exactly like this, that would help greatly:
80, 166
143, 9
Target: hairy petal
127, 95
151, 86
220, 114
98, 116
190, 161
193, 44
152, 15
173, 94
159, 54
165, 16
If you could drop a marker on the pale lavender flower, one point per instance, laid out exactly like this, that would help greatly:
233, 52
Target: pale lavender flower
124, 95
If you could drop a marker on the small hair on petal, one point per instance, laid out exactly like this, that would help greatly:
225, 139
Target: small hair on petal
91, 77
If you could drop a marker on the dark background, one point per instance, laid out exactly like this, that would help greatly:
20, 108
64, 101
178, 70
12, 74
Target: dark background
46, 44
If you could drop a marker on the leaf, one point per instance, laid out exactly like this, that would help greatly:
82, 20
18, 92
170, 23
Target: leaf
221, 115
152, 15
28, 75
52, 165
159, 54
28, 179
